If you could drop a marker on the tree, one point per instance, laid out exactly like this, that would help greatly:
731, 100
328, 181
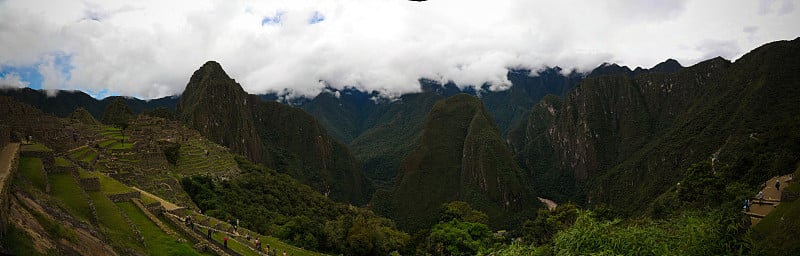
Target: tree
547, 223
462, 211
458, 237
460, 231
118, 114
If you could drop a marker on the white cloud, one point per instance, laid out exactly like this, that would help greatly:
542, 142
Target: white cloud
766, 7
12, 79
150, 48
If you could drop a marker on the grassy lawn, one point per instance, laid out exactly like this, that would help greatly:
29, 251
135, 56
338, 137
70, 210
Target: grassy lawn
148, 199
35, 147
79, 153
272, 241
118, 136
113, 223
106, 143
89, 156
126, 160
125, 145
61, 162
232, 244
32, 169
64, 187
290, 250
84, 174
111, 186
158, 242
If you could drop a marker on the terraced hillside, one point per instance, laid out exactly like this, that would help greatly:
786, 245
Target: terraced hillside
60, 207
105, 195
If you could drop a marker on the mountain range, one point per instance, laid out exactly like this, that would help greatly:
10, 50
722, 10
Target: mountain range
613, 137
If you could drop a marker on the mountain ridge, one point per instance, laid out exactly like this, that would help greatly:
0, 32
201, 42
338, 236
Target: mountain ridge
276, 135
616, 133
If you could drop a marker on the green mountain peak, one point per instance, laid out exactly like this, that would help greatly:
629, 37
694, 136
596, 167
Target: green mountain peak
461, 157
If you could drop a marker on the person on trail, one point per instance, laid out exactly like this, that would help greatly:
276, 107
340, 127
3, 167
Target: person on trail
746, 205
258, 244
778, 184
761, 196
284, 253
225, 241
209, 233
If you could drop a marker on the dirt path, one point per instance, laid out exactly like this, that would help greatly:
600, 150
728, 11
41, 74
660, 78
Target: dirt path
772, 197
550, 204
167, 205
6, 155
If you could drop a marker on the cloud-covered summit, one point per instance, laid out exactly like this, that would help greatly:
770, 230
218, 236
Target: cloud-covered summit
150, 48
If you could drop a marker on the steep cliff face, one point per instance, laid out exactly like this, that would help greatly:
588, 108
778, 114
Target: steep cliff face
618, 134
604, 121
298, 145
214, 104
460, 156
279, 136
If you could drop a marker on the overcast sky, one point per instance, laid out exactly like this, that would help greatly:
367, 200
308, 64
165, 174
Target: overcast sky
149, 48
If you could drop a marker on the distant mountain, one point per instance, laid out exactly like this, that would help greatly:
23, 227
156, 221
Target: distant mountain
510, 107
381, 132
65, 102
395, 128
344, 113
623, 140
605, 69
668, 66
84, 117
280, 136
460, 156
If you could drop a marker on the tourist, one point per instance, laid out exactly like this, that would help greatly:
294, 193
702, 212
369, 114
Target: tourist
761, 196
746, 205
225, 241
778, 184
209, 233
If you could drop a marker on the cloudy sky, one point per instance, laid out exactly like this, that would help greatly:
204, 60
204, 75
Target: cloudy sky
149, 48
